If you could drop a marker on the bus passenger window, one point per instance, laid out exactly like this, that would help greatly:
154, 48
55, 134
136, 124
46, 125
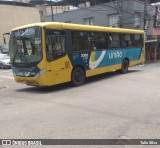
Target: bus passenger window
99, 41
142, 40
75, 44
55, 44
126, 40
137, 40
114, 40
81, 40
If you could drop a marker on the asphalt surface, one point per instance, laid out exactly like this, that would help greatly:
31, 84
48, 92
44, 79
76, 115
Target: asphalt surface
108, 106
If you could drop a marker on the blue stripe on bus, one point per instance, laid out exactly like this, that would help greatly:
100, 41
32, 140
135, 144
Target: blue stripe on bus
103, 58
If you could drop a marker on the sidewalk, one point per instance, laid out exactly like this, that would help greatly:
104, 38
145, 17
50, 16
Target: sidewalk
152, 62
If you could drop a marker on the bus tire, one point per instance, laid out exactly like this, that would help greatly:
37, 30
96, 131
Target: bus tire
125, 65
78, 76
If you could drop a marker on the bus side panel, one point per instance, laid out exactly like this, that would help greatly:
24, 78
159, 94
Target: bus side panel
101, 61
140, 61
59, 70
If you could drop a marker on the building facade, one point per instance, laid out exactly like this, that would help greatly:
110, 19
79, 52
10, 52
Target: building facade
14, 14
124, 13
121, 13
46, 10
153, 43
22, 1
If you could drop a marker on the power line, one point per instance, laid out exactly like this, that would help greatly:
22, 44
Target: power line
82, 15
101, 5
128, 12
153, 6
101, 11
106, 5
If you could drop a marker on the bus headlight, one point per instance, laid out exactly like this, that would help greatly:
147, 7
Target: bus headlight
40, 73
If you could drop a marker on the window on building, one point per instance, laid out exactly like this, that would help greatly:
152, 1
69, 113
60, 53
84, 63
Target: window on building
157, 16
114, 20
81, 40
42, 16
137, 19
99, 40
114, 40
55, 44
88, 21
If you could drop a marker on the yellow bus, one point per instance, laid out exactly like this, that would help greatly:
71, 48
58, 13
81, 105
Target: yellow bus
50, 53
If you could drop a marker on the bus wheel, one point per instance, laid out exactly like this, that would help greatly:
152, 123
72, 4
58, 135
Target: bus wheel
78, 76
125, 65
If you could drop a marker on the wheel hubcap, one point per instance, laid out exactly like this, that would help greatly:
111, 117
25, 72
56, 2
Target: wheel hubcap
125, 65
78, 76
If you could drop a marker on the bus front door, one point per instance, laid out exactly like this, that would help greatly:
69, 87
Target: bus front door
61, 71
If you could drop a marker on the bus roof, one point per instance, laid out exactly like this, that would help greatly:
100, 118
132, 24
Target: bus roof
58, 25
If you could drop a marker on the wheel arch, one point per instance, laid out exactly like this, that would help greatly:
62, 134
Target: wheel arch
126, 58
81, 66
74, 80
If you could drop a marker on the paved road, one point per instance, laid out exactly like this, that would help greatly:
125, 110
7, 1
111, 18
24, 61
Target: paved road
106, 106
6, 78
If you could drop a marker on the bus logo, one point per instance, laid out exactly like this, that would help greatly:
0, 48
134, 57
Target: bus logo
94, 63
6, 142
115, 55
84, 56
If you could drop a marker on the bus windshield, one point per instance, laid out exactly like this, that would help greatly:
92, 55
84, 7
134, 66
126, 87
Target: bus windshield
26, 47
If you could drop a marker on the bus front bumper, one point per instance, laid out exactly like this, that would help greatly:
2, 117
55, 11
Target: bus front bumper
33, 81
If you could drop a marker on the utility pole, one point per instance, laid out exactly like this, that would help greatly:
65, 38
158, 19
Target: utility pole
120, 12
145, 16
52, 11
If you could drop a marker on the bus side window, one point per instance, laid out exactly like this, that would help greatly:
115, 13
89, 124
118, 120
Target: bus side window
137, 40
49, 48
99, 41
126, 40
142, 40
132, 40
55, 44
123, 42
81, 40
114, 40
